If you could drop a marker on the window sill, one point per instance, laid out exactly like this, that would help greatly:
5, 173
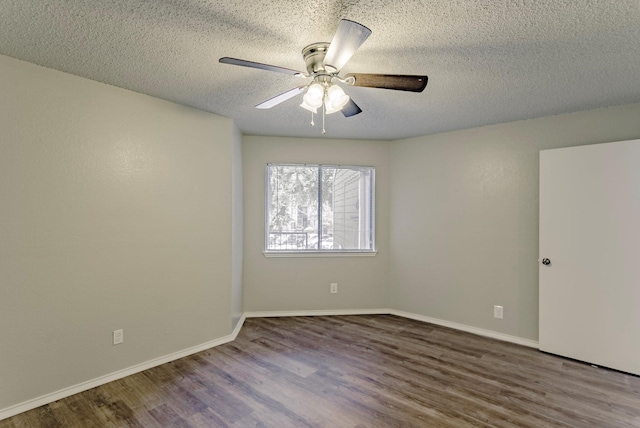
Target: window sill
319, 253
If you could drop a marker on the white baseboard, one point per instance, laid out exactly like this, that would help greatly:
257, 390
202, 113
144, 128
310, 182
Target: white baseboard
316, 313
84, 386
468, 329
66, 392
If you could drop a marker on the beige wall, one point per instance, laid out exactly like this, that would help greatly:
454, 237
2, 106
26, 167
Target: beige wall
115, 213
464, 216
296, 284
457, 222
237, 288
123, 211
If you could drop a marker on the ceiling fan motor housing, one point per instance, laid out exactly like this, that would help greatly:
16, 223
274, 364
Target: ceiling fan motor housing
313, 55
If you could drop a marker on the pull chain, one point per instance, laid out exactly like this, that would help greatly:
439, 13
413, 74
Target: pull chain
312, 124
323, 109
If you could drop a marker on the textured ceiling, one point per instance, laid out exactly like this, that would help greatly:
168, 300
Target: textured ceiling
488, 61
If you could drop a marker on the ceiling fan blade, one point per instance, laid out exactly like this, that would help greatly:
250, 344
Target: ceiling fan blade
399, 82
272, 102
348, 38
351, 109
251, 64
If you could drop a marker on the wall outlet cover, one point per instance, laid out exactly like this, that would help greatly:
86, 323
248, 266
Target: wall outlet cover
498, 312
118, 336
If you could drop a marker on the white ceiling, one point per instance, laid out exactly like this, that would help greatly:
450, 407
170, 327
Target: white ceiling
488, 61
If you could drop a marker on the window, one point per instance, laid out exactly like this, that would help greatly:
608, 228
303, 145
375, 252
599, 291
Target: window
319, 208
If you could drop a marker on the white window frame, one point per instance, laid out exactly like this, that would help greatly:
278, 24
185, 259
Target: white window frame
320, 252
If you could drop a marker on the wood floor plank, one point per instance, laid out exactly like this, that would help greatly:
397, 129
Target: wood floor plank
355, 371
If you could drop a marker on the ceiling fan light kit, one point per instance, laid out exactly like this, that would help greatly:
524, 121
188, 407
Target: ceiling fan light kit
324, 62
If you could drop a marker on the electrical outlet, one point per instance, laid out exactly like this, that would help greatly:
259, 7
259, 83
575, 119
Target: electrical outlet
118, 336
498, 312
334, 288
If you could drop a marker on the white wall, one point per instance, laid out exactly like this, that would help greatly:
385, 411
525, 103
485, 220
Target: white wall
297, 284
464, 216
115, 213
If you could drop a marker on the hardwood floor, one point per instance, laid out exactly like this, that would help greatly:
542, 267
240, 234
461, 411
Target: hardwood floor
355, 371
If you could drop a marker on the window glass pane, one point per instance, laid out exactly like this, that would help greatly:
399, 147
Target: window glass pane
336, 215
347, 218
292, 207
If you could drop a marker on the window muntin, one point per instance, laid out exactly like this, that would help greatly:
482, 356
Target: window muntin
319, 208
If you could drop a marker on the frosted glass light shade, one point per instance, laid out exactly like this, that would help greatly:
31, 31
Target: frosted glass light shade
316, 90
329, 108
312, 101
336, 98
313, 98
306, 106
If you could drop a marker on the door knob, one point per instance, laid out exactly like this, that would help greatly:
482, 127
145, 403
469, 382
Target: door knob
546, 262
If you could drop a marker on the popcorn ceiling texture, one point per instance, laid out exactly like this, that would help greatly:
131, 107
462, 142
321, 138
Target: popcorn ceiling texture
487, 61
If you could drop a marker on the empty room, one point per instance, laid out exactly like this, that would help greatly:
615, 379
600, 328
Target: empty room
319, 213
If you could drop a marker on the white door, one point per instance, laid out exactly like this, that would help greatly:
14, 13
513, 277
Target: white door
590, 234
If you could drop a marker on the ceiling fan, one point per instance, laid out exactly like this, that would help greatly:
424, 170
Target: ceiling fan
324, 62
